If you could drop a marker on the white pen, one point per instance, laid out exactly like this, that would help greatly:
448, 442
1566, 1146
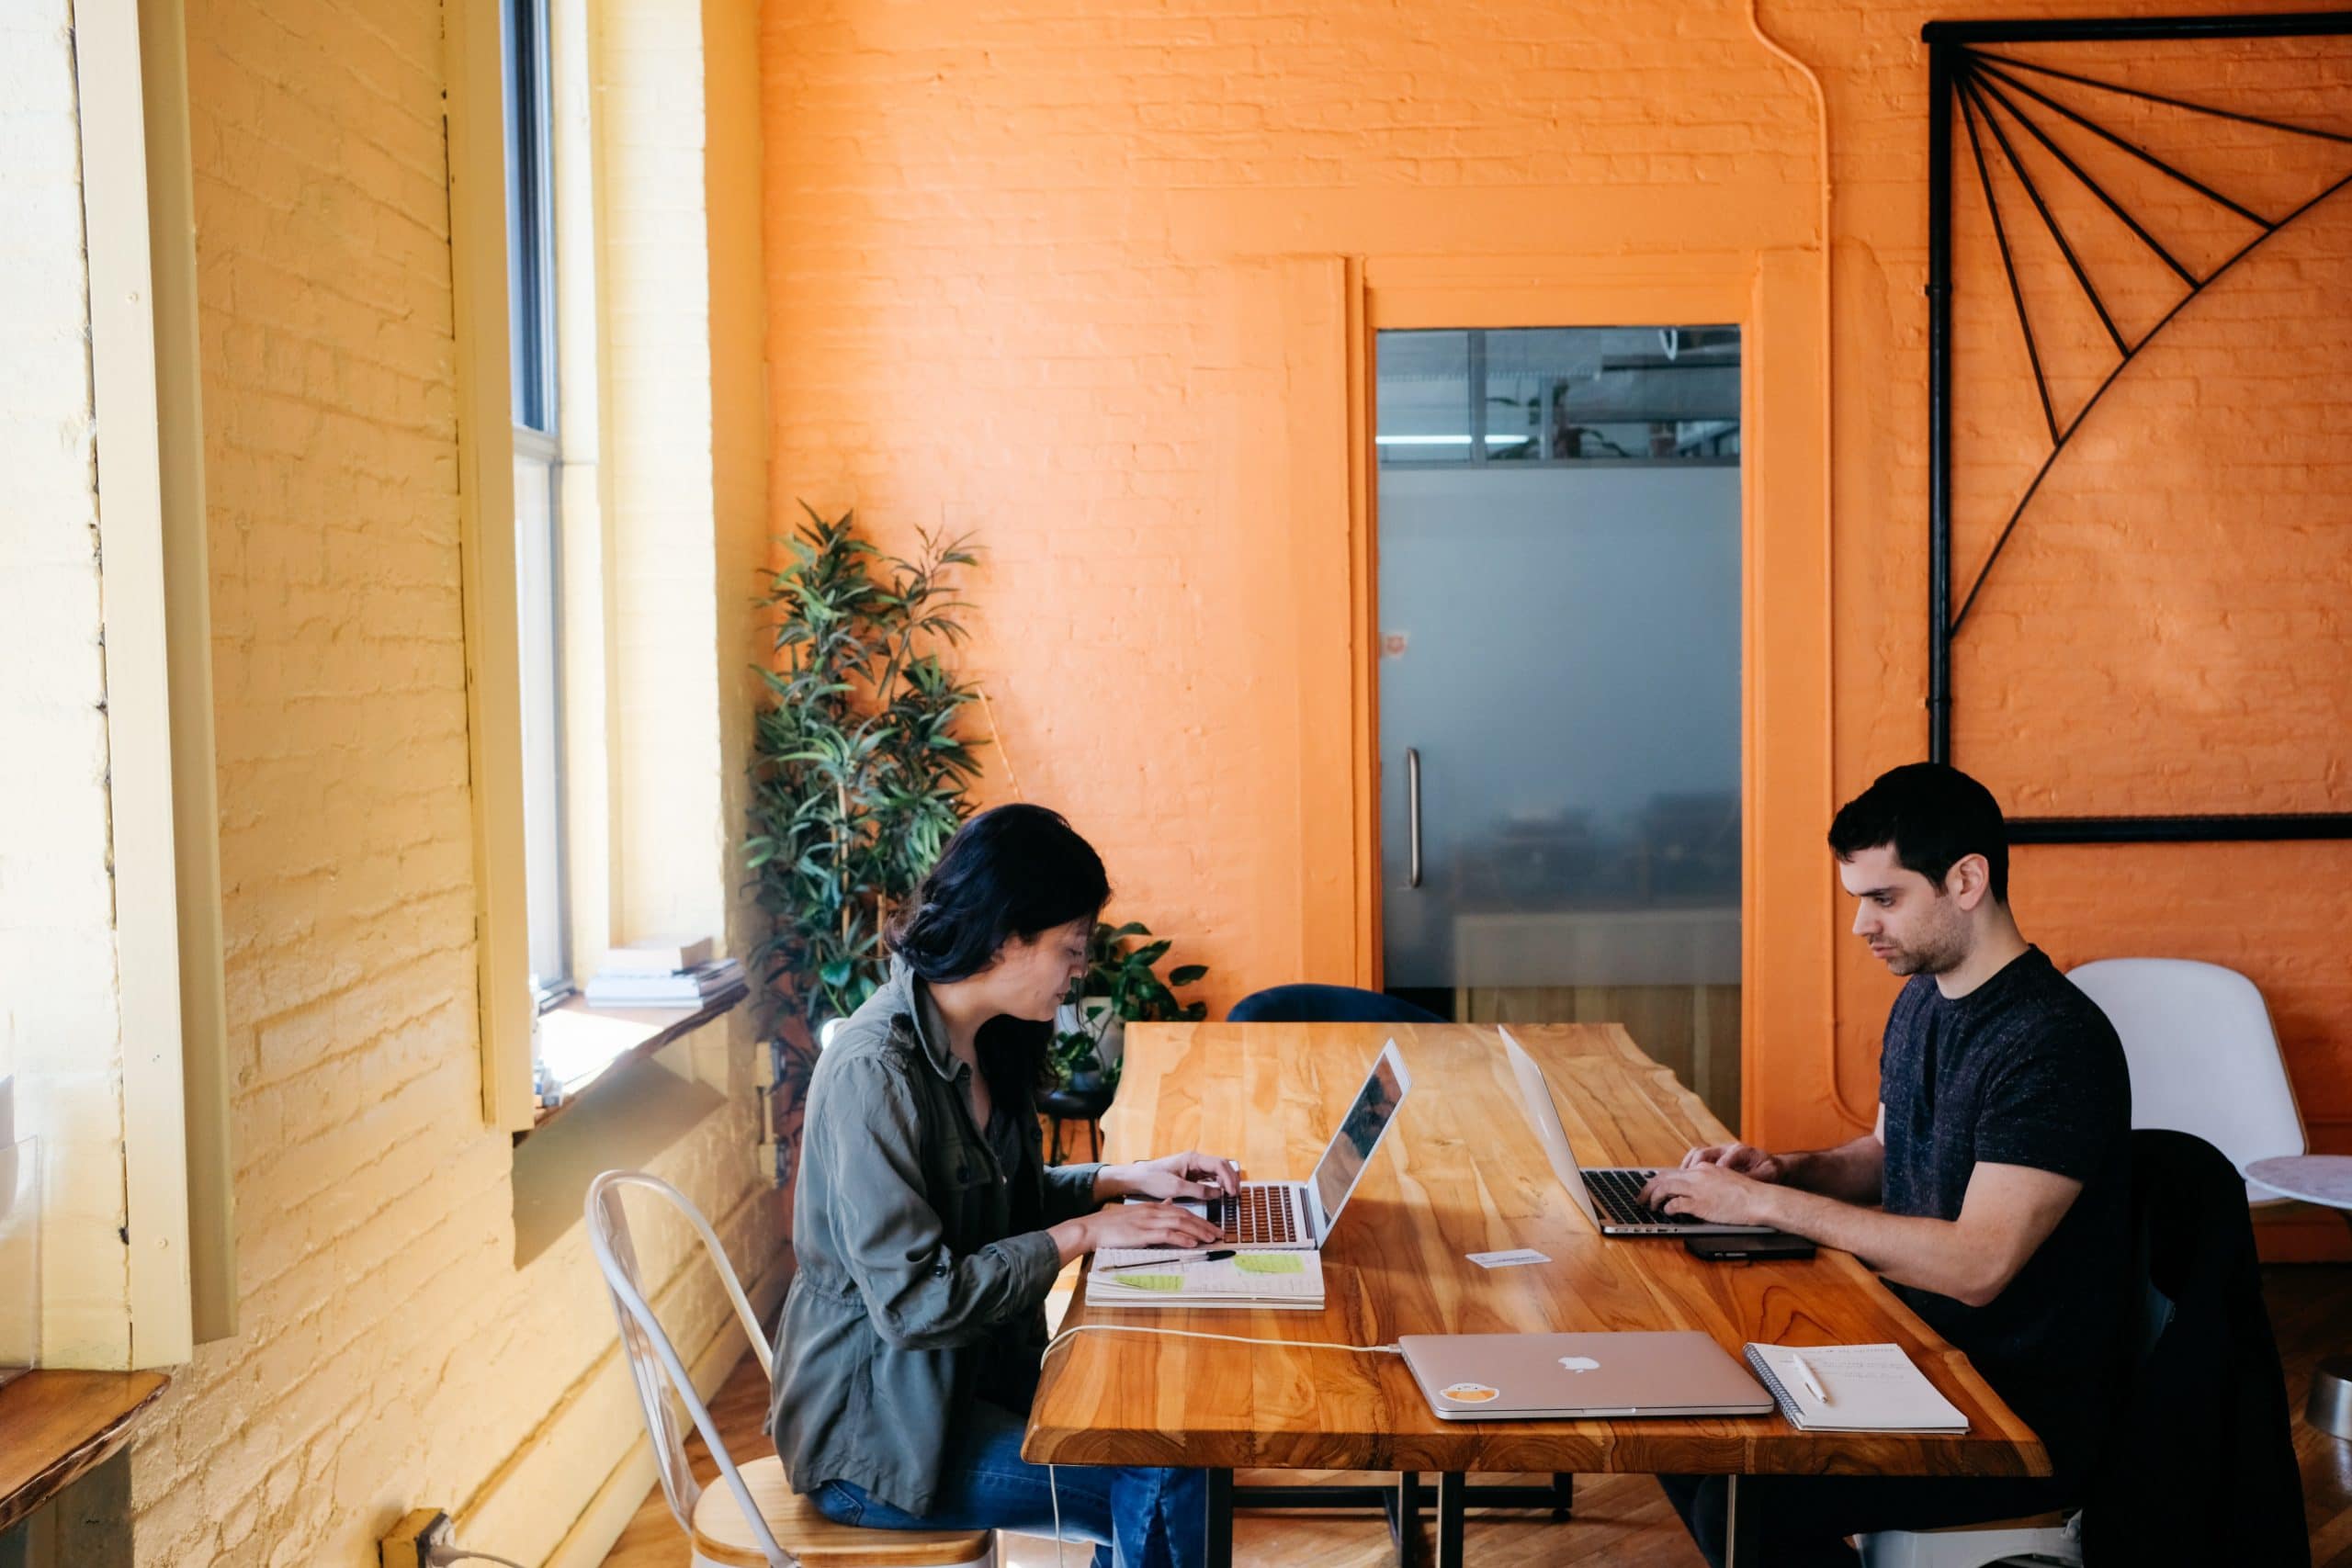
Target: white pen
1811, 1382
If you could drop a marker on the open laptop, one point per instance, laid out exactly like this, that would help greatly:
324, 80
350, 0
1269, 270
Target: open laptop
1526, 1377
1298, 1216
1609, 1195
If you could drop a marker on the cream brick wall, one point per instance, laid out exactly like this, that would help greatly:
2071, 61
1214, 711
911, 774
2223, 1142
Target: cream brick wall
60, 1020
391, 1353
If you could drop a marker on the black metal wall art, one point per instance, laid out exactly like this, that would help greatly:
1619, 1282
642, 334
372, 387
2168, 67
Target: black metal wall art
1988, 105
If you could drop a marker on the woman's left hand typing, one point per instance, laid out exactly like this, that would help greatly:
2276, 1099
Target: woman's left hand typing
1188, 1175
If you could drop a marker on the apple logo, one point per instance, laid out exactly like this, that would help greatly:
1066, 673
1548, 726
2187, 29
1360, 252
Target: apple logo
1580, 1363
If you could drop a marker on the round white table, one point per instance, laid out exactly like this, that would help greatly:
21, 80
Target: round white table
2325, 1180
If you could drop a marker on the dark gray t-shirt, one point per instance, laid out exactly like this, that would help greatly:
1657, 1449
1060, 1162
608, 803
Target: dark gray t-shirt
2023, 1070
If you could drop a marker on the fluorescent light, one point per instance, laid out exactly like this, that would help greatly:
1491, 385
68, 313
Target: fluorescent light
1448, 440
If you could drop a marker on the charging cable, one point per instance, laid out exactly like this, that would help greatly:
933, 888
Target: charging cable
1053, 1485
449, 1551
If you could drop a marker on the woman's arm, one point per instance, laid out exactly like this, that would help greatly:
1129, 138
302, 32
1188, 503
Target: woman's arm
864, 1139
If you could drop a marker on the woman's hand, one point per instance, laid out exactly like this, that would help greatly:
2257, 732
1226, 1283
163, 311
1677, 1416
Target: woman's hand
1159, 1225
1188, 1175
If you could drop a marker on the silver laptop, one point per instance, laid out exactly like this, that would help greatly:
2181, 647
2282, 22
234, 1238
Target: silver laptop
1298, 1216
1526, 1377
1609, 1195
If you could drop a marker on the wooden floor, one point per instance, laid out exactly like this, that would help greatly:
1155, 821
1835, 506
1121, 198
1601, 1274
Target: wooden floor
1620, 1520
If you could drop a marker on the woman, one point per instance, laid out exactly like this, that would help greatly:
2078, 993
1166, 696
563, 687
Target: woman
929, 1228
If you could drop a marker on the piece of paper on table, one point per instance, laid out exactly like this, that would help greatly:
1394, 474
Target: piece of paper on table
1511, 1259
1269, 1263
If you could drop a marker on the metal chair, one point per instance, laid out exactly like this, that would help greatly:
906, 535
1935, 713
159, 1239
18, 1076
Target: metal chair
755, 1521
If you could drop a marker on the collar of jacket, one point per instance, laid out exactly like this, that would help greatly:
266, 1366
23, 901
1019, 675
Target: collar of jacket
905, 1007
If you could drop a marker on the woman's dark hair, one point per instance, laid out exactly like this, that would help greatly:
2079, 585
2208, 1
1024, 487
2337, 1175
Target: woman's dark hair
1933, 815
1013, 870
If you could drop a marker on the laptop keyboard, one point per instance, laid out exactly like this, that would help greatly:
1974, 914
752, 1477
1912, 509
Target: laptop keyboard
1617, 1192
1261, 1216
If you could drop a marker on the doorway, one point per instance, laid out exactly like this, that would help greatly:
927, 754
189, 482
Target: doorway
1559, 636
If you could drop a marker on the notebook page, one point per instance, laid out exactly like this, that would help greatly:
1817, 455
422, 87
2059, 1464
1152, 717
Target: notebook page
1258, 1276
1872, 1388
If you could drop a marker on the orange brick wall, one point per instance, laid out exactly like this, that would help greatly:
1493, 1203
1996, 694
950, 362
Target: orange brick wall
1016, 261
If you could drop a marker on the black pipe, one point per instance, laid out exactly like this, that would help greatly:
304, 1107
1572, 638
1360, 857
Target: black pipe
2281, 24
2274, 827
1939, 107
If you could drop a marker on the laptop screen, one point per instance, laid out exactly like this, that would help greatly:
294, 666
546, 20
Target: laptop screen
1335, 1177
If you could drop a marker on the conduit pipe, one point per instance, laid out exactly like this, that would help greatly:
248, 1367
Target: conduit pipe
1828, 524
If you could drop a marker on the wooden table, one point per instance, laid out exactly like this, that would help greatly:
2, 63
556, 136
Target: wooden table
1462, 1172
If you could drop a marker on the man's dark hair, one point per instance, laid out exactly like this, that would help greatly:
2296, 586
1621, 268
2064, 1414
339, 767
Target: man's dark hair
1934, 816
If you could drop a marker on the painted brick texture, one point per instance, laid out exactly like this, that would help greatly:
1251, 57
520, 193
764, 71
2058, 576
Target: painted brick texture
390, 1353
1018, 256
60, 1023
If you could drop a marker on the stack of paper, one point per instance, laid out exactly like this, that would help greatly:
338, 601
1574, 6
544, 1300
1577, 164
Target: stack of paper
1284, 1281
679, 988
1869, 1388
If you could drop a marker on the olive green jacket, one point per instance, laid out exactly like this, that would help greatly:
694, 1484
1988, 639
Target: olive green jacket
916, 1249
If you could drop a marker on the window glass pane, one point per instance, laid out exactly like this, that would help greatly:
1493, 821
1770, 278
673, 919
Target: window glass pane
1659, 394
1424, 398
530, 288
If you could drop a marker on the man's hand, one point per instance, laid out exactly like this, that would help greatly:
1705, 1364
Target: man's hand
1745, 1158
1713, 1191
1191, 1175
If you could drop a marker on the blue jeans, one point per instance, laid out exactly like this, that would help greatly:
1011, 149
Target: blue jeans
1134, 1517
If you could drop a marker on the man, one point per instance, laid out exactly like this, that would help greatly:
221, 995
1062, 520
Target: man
1992, 1195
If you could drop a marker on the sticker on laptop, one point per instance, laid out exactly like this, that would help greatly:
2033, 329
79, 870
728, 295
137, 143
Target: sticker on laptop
1469, 1392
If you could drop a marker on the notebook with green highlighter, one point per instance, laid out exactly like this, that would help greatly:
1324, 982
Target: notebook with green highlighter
1281, 1280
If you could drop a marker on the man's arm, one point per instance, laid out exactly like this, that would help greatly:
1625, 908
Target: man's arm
2007, 1213
1852, 1172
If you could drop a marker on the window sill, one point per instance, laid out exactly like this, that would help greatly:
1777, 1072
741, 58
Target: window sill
588, 1044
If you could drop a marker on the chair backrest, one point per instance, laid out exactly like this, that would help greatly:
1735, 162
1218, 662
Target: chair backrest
2203, 1057
1326, 1004
654, 1366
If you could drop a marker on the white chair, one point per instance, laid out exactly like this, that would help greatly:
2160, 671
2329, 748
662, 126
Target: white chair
2044, 1541
757, 1521
2203, 1057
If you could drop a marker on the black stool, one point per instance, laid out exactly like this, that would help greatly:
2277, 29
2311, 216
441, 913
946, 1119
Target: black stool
1071, 1103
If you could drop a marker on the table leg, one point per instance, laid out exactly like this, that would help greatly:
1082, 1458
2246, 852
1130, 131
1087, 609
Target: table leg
1220, 1529
1404, 1510
1742, 1529
1449, 1518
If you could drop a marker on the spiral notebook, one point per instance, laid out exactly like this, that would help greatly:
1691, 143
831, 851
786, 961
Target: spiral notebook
1292, 1280
1872, 1388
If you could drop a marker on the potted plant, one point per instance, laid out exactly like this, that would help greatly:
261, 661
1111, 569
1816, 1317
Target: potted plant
858, 777
1122, 984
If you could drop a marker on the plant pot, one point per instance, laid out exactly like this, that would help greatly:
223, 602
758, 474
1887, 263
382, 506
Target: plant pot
1086, 1080
1110, 1031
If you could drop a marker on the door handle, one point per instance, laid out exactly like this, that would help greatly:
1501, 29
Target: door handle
1413, 816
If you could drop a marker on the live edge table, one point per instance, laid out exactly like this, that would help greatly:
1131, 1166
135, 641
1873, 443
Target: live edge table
1461, 1172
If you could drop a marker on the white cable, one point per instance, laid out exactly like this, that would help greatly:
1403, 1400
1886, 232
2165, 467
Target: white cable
438, 1555
1068, 1333
1053, 1485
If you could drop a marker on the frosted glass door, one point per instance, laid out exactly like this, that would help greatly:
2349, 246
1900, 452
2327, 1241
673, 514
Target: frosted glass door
1559, 670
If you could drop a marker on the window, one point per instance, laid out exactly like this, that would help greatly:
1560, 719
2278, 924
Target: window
530, 281
1638, 396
